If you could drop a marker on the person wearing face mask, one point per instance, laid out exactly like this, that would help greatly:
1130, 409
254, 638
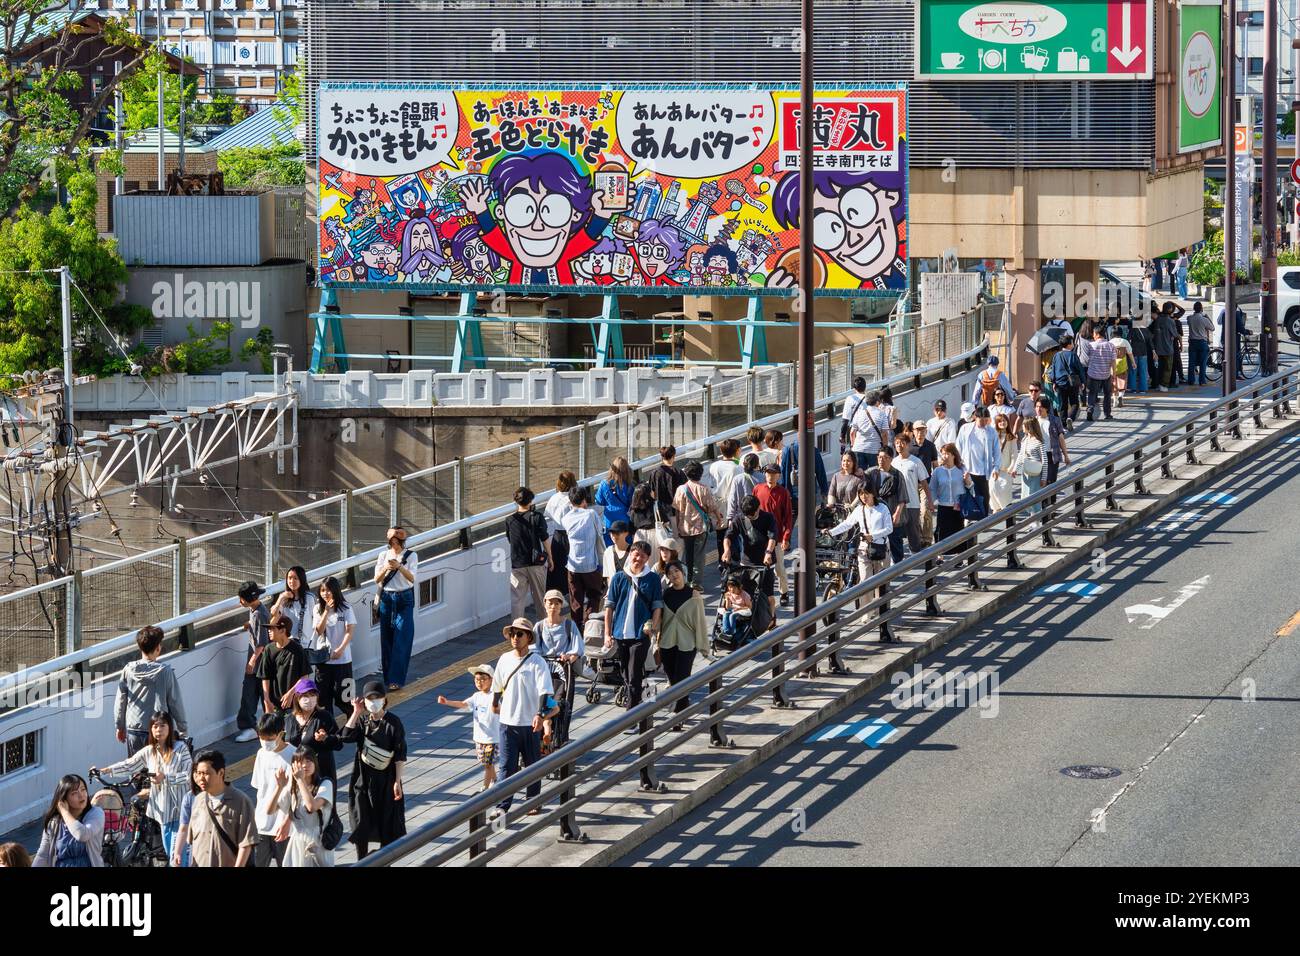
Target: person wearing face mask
377, 803
307, 725
273, 755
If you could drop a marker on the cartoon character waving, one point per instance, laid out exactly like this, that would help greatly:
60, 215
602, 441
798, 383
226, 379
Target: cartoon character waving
547, 215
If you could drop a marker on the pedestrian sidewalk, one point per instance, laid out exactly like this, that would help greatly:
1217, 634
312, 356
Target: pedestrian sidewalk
442, 769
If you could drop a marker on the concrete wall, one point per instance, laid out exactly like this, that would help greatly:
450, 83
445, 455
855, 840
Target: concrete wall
140, 171
77, 731
271, 296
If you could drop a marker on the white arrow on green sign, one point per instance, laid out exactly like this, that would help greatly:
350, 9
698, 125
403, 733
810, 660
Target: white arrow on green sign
1057, 40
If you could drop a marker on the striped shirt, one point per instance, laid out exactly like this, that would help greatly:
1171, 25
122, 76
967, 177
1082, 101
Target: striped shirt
1101, 356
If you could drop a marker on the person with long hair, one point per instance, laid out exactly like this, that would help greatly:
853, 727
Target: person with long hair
698, 516
296, 602
14, 856
845, 482
169, 765
641, 514
949, 481
309, 725
333, 623
875, 524
72, 831
1002, 491
557, 506
306, 801
682, 633
376, 802
1031, 463
614, 495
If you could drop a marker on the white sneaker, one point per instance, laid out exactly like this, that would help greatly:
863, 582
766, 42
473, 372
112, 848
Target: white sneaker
244, 736
1163, 389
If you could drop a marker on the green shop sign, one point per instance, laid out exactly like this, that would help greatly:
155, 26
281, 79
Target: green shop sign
1060, 40
1200, 32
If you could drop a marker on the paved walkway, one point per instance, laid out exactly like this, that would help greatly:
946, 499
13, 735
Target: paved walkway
442, 769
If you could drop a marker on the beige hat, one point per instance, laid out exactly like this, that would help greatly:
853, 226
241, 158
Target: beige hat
518, 624
553, 595
482, 669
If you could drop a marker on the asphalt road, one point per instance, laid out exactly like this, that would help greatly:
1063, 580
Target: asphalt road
1193, 699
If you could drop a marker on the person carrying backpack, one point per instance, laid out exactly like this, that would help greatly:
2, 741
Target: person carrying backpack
1066, 376
990, 378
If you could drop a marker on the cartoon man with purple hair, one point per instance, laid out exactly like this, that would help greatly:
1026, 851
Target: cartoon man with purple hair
421, 258
546, 216
856, 222
658, 250
480, 262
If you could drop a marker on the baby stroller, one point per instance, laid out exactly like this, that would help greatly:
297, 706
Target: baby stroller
131, 836
749, 626
562, 677
604, 666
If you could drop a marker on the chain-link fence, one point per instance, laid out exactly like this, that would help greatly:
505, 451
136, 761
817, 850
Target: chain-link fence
123, 596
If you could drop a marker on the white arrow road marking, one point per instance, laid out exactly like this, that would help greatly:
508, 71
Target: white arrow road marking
1157, 613
1126, 54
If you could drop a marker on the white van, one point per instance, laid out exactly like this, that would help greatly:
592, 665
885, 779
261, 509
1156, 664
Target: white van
1288, 300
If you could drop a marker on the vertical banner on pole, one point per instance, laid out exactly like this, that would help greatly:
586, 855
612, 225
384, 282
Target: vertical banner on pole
1244, 163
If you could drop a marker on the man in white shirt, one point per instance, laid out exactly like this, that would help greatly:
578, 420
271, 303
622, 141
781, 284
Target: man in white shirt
980, 451
523, 681
719, 477
942, 429
395, 572
916, 479
856, 399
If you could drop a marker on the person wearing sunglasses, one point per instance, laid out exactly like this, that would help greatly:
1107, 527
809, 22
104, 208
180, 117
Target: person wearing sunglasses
395, 572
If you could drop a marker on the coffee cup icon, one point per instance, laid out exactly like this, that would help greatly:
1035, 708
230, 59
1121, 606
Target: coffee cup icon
951, 61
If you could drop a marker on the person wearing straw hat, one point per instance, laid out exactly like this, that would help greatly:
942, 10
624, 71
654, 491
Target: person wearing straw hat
525, 697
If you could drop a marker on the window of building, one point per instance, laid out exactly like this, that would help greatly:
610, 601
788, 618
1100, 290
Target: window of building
1257, 18
430, 591
18, 752
1255, 65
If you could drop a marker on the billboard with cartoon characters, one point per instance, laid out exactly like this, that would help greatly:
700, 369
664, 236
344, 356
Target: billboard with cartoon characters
656, 190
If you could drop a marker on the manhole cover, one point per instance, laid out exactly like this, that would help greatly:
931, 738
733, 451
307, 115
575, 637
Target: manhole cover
1090, 772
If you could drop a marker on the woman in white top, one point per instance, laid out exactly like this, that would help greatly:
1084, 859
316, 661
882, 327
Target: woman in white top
948, 481
169, 766
1123, 362
298, 603
874, 525
72, 831
1031, 462
1001, 490
333, 624
306, 801
1001, 404
557, 506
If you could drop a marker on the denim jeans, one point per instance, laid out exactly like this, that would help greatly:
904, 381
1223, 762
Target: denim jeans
136, 740
396, 634
1141, 371
519, 742
1182, 283
1198, 358
1030, 485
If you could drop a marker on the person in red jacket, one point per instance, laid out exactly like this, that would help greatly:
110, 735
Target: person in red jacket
775, 500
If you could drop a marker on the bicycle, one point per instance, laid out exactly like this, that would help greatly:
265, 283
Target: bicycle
131, 836
1248, 360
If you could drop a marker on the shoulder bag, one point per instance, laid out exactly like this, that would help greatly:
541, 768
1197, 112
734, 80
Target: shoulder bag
875, 551
331, 830
708, 522
225, 837
847, 425
972, 506
389, 577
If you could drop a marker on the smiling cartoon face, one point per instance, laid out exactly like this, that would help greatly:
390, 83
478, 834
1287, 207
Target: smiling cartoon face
857, 229
537, 223
718, 265
655, 258
476, 256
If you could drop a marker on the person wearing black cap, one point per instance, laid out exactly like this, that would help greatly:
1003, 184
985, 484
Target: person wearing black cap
377, 803
281, 666
250, 597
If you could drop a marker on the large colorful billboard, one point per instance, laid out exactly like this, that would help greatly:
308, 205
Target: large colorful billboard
1200, 31
657, 190
1048, 40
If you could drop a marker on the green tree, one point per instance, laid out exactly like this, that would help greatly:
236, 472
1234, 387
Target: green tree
30, 309
41, 62
140, 99
260, 167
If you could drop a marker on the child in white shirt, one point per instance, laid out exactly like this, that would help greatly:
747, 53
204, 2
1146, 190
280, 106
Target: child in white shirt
487, 720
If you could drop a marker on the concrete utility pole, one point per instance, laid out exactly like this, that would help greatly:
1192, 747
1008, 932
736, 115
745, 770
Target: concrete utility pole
162, 147
1268, 249
806, 530
1229, 202
118, 185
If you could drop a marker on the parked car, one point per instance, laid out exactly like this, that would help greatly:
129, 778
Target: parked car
1288, 300
1112, 292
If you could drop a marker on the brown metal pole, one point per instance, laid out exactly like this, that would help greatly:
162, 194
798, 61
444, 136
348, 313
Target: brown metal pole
1268, 250
806, 572
1229, 340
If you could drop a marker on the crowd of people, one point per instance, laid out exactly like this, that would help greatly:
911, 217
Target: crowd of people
619, 567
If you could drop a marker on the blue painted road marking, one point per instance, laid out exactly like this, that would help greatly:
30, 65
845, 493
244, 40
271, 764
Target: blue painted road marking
873, 733
1081, 588
1212, 498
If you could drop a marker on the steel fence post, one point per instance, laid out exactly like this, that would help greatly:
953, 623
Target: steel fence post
523, 464
272, 547
73, 596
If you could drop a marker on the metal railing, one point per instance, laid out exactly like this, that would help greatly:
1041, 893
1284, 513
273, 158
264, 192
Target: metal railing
457, 502
760, 668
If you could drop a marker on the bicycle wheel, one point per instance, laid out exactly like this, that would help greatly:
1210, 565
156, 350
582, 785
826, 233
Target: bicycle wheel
1214, 367
1250, 362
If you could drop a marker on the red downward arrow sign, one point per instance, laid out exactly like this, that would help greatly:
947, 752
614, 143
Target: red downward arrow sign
1126, 22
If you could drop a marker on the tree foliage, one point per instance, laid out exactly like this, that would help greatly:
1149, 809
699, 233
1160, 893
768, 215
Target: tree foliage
31, 318
140, 99
40, 125
260, 167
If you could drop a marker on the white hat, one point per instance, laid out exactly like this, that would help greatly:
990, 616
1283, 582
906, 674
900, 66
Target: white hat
968, 410
482, 669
